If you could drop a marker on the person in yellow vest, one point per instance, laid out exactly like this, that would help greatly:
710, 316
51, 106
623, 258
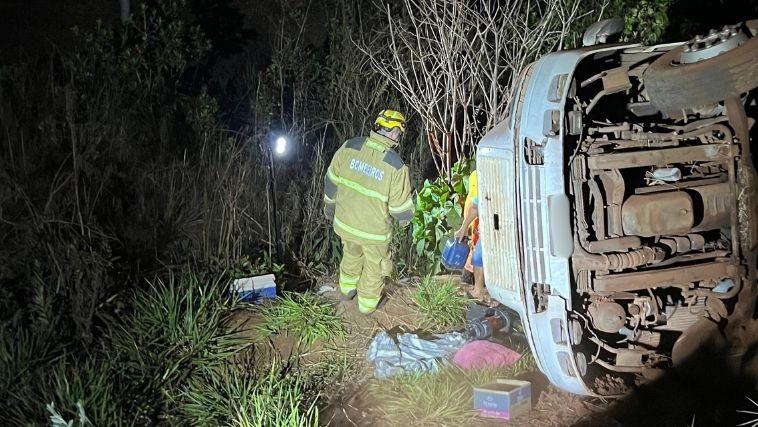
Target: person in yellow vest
366, 186
473, 229
471, 218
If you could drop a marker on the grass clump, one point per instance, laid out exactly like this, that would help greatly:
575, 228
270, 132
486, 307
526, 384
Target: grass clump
439, 304
307, 315
176, 330
273, 396
444, 398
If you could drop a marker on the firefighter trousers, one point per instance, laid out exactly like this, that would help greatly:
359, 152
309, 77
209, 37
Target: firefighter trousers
363, 268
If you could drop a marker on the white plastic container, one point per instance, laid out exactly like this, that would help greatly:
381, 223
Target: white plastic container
256, 288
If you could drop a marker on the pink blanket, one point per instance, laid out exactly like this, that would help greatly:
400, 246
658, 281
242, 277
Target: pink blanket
484, 354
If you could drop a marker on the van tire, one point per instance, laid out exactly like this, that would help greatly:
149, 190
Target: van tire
674, 87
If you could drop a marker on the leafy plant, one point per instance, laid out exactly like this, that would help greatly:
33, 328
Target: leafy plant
459, 177
438, 213
147, 57
308, 316
439, 304
644, 20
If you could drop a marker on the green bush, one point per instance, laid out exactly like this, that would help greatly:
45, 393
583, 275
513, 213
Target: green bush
644, 20
308, 316
439, 209
439, 304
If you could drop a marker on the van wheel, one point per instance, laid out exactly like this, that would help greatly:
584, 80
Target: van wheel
705, 70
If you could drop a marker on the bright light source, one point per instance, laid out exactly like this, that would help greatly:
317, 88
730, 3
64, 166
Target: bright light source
281, 145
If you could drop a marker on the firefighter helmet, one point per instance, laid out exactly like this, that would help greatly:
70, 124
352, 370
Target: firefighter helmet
390, 119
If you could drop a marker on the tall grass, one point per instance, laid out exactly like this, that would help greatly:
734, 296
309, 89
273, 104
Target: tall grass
439, 304
176, 330
116, 174
308, 317
260, 397
444, 398
171, 359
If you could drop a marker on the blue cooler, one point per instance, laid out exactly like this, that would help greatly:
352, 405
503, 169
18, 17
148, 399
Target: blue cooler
455, 253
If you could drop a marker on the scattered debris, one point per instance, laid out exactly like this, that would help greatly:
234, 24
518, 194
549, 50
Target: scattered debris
325, 288
609, 385
409, 353
485, 354
408, 281
256, 288
484, 322
504, 399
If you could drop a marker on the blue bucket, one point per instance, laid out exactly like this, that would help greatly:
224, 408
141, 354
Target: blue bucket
455, 254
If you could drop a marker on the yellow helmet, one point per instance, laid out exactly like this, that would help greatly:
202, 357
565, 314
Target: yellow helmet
390, 119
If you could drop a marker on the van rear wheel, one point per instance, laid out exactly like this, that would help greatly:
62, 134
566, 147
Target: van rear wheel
705, 70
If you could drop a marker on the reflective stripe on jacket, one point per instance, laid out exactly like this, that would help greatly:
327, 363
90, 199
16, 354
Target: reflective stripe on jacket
369, 184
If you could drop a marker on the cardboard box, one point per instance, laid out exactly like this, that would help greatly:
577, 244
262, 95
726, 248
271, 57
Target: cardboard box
504, 399
255, 288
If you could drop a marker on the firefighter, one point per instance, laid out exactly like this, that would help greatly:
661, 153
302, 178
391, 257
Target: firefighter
366, 186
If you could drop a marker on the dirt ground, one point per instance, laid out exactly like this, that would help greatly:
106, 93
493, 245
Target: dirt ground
551, 407
350, 404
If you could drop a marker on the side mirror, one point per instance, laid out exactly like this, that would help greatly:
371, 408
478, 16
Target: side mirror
603, 31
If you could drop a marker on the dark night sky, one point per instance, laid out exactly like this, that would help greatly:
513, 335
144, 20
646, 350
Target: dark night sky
32, 27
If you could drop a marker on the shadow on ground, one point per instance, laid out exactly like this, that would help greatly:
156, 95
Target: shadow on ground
708, 389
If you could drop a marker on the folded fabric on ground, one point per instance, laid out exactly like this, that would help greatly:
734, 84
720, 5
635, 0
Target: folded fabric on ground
485, 354
411, 354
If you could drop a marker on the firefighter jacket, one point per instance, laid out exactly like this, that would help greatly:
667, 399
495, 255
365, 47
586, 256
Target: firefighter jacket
368, 184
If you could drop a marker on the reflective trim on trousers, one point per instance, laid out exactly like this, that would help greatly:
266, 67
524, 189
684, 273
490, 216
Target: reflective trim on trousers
367, 305
348, 283
359, 233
